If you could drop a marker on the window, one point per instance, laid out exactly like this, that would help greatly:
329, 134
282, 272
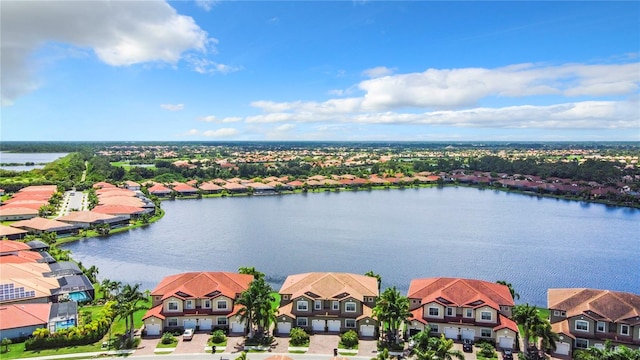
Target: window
600, 326
434, 311
624, 329
301, 322
172, 322
485, 332
450, 311
222, 321
285, 297
468, 313
556, 312
335, 305
582, 343
434, 328
582, 325
173, 306
350, 323
302, 306
207, 304
189, 304
350, 307
485, 315
317, 305
222, 305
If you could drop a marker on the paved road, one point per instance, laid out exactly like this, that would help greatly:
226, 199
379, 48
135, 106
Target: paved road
72, 200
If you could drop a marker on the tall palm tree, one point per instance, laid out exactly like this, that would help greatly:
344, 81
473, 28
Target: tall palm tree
392, 309
547, 337
436, 348
528, 317
513, 292
256, 306
128, 304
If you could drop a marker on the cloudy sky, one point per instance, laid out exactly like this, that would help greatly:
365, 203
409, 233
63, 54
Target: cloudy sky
338, 70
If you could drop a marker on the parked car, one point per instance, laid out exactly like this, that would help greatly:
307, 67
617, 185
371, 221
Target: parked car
187, 335
507, 354
467, 345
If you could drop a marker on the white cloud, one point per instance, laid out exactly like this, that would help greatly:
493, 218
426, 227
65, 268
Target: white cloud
285, 127
120, 33
377, 72
172, 107
205, 66
221, 133
206, 5
212, 118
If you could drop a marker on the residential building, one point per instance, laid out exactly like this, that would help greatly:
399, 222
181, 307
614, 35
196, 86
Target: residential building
463, 309
198, 300
328, 302
590, 317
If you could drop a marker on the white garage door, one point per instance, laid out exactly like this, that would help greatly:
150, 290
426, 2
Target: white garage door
189, 323
468, 334
333, 325
367, 330
206, 324
562, 348
317, 325
153, 329
505, 342
237, 327
284, 328
451, 333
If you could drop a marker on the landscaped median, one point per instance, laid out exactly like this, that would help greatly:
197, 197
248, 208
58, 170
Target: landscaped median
167, 343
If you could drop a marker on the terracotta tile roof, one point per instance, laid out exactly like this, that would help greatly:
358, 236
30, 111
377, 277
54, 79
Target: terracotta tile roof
118, 209
295, 183
40, 188
26, 204
506, 323
130, 183
109, 192
180, 187
210, 186
121, 200
159, 188
234, 186
13, 211
30, 276
614, 306
102, 185
29, 196
21, 257
562, 327
317, 177
8, 231
328, 285
155, 311
42, 224
278, 357
460, 292
418, 315
23, 315
199, 284
10, 246
85, 216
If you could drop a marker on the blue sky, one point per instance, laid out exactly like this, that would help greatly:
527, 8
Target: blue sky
333, 70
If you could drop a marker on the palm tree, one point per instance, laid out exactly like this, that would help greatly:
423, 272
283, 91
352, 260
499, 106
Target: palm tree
513, 292
250, 271
256, 306
528, 317
128, 304
435, 348
377, 276
547, 337
392, 309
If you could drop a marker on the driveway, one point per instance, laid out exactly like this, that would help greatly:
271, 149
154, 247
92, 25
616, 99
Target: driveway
196, 345
368, 348
147, 346
323, 344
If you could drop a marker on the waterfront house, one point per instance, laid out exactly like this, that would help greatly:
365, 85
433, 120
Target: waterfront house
184, 189
17, 213
462, 309
159, 190
197, 300
210, 188
18, 322
38, 225
131, 185
328, 302
91, 219
589, 317
11, 233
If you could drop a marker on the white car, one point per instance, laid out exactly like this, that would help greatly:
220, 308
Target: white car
187, 335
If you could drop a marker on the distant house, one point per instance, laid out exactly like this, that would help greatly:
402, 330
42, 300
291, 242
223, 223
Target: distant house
11, 233
233, 187
210, 188
184, 189
40, 225
90, 219
197, 300
131, 185
20, 321
159, 190
462, 309
590, 317
17, 213
328, 302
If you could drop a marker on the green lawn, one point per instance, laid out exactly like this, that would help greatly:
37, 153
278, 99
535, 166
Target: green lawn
276, 303
16, 351
167, 346
118, 326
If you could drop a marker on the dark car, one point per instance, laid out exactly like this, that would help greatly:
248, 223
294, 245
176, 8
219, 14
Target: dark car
507, 354
467, 345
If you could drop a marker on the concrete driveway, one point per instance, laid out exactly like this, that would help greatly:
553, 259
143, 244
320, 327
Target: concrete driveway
147, 346
323, 344
368, 347
195, 345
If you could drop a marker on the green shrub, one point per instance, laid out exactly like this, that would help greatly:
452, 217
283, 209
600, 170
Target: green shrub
349, 339
218, 337
487, 350
167, 338
299, 337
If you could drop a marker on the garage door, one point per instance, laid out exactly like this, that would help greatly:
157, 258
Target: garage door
284, 328
206, 324
451, 333
505, 342
237, 327
562, 348
468, 334
367, 330
333, 325
318, 325
189, 323
153, 329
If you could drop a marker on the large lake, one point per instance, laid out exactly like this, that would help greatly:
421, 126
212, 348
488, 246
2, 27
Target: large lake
21, 158
534, 243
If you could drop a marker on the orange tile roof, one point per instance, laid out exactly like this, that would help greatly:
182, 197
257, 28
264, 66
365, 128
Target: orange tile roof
21, 257
85, 216
8, 246
460, 291
612, 305
40, 188
102, 185
8, 230
506, 323
108, 192
199, 284
26, 204
180, 187
155, 311
42, 224
17, 316
121, 200
159, 188
118, 209
29, 196
5, 211
210, 186
327, 285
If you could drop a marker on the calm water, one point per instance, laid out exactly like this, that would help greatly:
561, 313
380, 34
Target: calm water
534, 243
21, 158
